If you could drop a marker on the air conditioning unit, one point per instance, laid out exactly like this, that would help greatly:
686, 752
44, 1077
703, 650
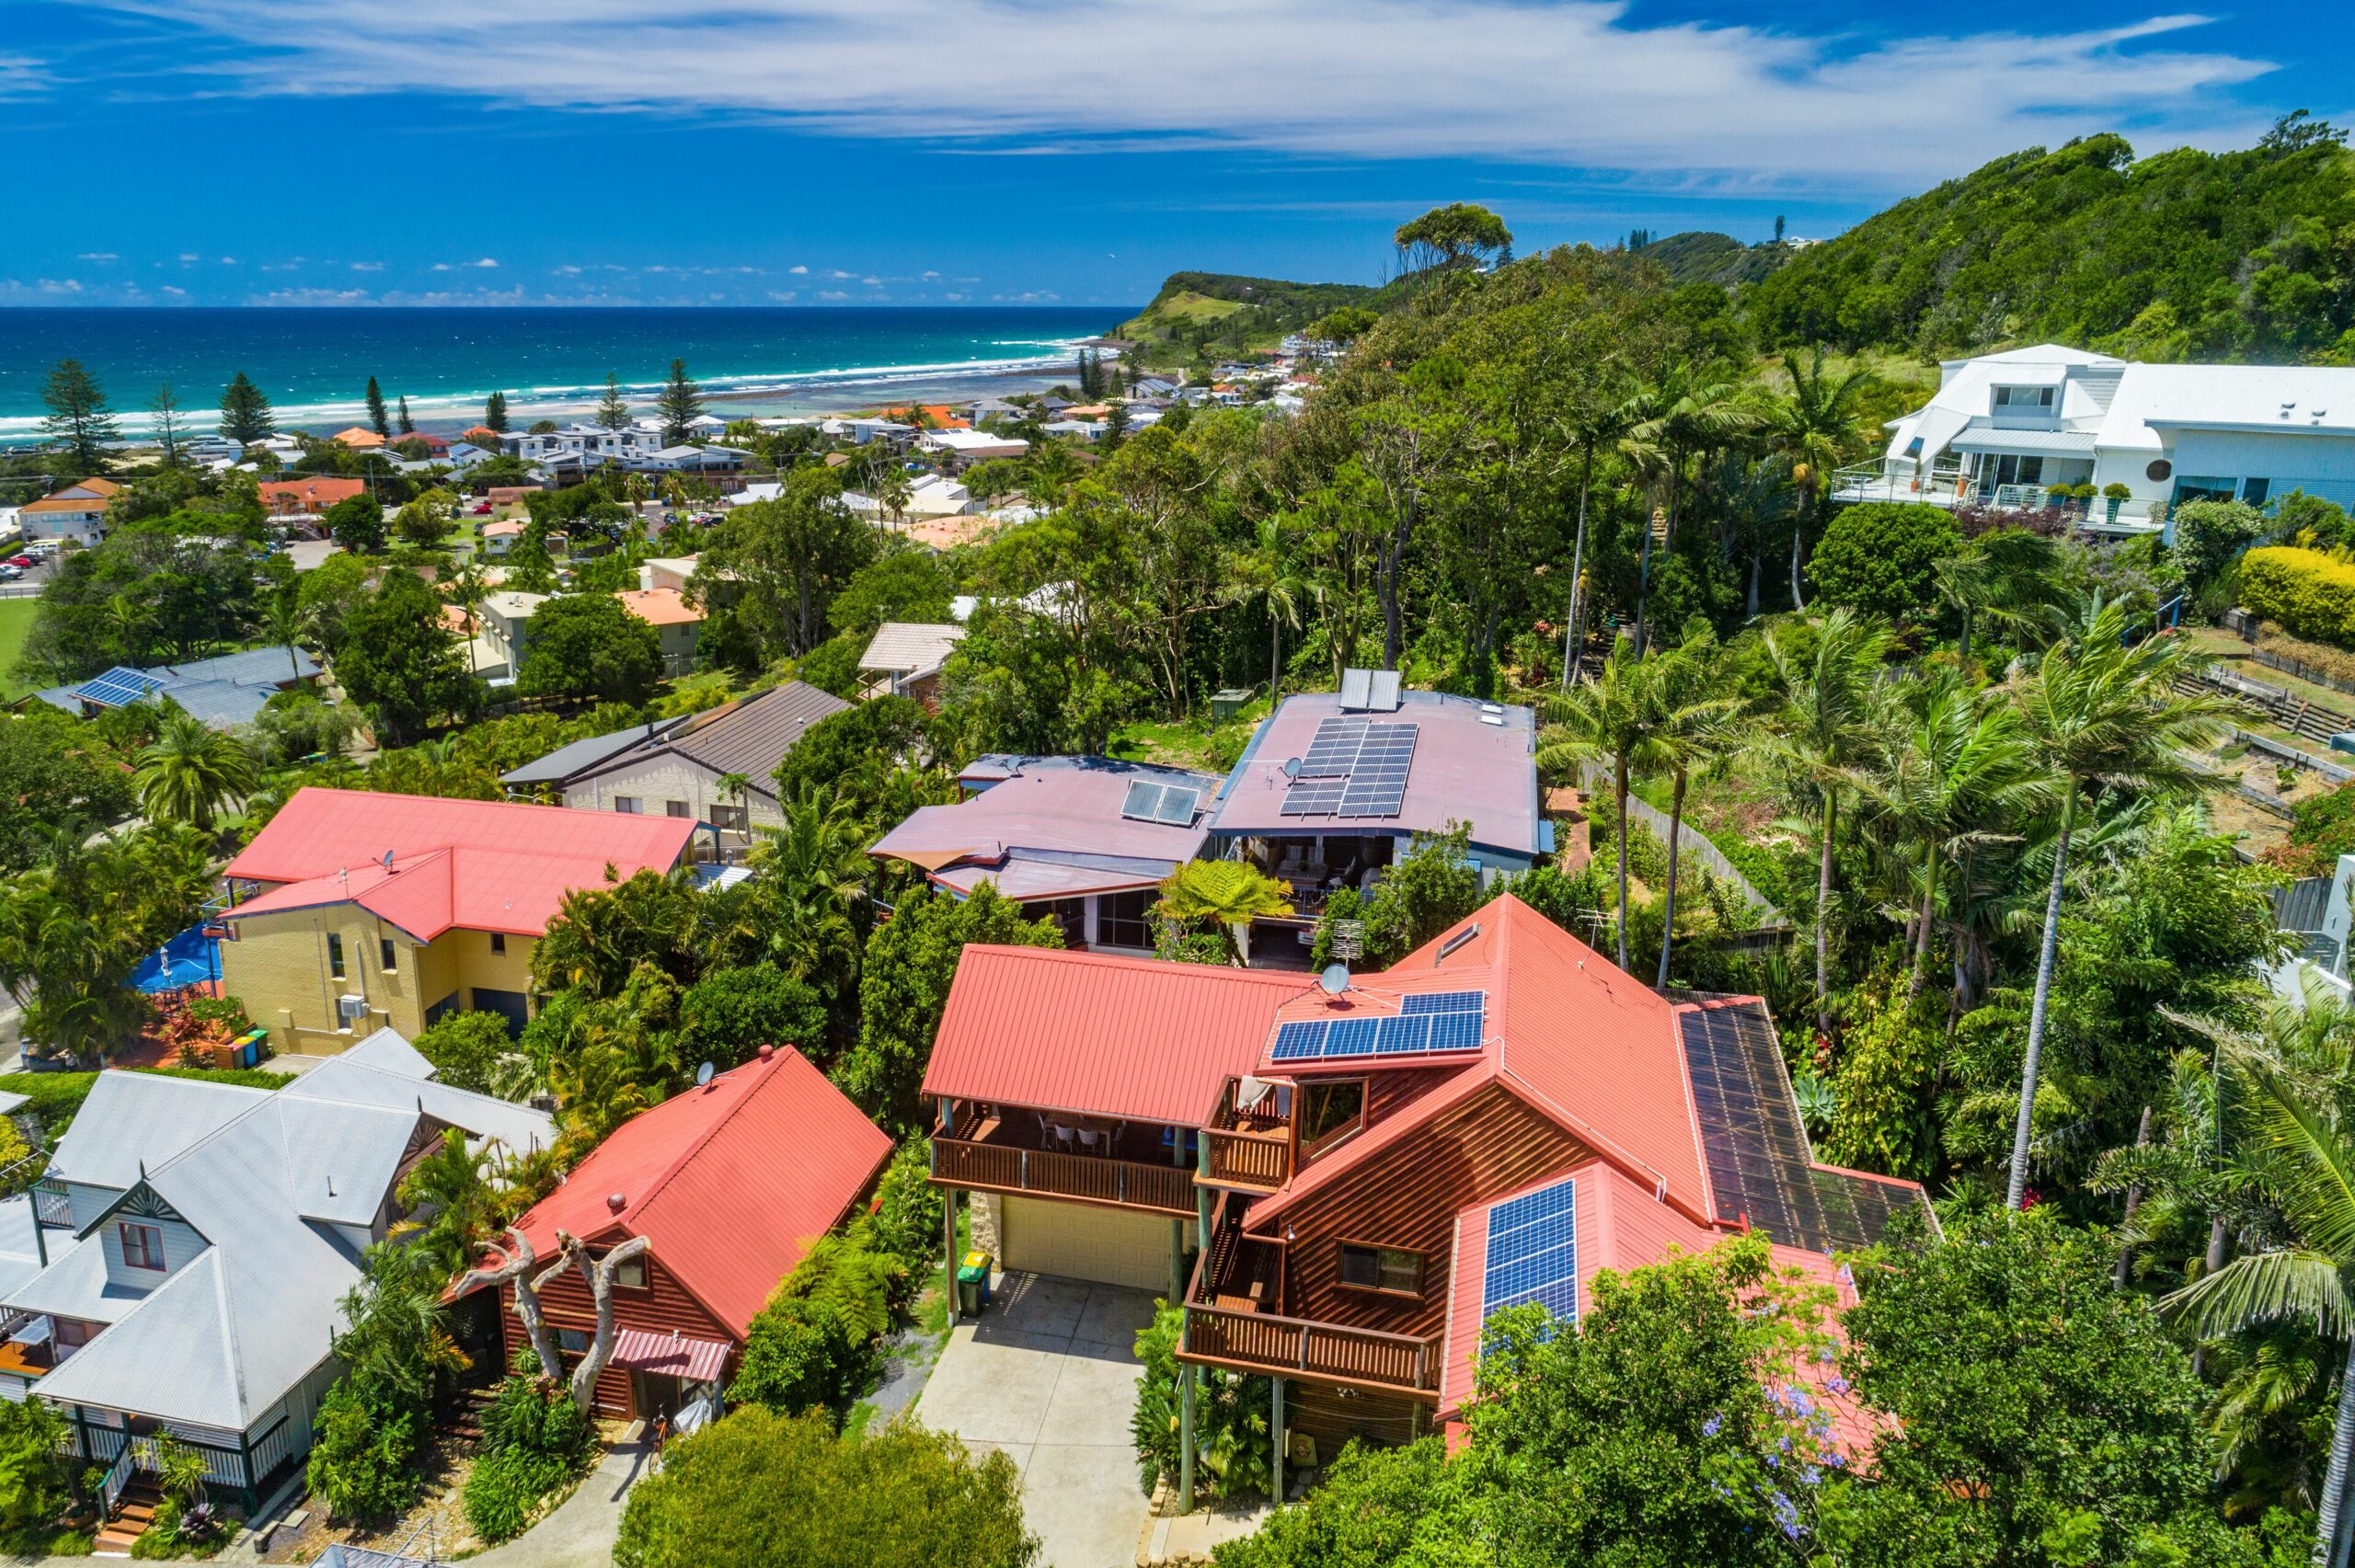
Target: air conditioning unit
350, 1009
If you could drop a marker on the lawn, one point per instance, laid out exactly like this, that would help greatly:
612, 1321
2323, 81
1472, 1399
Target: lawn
15, 626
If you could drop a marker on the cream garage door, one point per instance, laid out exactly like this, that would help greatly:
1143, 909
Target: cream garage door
1084, 1240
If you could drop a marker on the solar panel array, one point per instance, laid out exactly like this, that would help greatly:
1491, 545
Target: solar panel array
1353, 768
1427, 1026
1171, 804
1760, 1165
1534, 1252
119, 687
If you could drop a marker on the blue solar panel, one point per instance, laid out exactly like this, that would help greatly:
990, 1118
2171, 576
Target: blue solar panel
119, 687
1402, 1035
1297, 1040
1534, 1252
1443, 1002
1351, 1036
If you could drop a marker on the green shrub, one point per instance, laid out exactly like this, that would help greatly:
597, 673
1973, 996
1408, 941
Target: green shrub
1882, 557
534, 1440
364, 1465
465, 1049
2208, 534
906, 1223
813, 1347
2305, 592
1233, 1453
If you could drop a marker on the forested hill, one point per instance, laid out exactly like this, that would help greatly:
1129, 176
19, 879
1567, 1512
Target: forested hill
1202, 307
2183, 255
1704, 257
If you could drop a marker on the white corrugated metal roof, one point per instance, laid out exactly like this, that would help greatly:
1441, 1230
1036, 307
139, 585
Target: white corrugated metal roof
910, 644
2056, 443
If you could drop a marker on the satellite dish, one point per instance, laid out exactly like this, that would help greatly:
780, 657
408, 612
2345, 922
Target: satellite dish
1335, 979
703, 1075
1292, 767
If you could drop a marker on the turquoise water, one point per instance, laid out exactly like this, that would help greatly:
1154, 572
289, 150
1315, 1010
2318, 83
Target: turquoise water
315, 364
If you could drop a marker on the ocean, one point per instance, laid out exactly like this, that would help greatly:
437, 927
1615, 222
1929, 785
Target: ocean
314, 363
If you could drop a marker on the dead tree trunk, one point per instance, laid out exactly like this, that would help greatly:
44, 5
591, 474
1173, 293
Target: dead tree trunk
514, 1267
598, 1274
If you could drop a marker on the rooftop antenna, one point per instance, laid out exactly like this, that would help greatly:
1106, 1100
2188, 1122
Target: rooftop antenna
703, 1076
1335, 979
1292, 767
388, 859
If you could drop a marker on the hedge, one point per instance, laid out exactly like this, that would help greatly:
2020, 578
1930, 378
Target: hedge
2305, 592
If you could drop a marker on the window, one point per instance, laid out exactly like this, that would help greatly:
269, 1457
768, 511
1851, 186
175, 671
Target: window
499, 941
573, 1342
2204, 488
732, 819
388, 957
143, 1245
679, 808
334, 956
626, 803
1121, 919
631, 1274
1381, 1268
2023, 397
2255, 491
1331, 1108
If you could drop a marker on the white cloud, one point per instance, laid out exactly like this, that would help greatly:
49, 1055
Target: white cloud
314, 297
367, 266
190, 255
569, 270
97, 255
798, 272
173, 289
228, 261
486, 261
451, 265
61, 285
1574, 81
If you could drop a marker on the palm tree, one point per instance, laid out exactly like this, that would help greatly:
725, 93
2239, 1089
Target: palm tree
2007, 576
1284, 587
1611, 718
2308, 1163
1230, 892
1824, 732
191, 772
1593, 419
1693, 728
283, 618
131, 621
1955, 769
2100, 713
892, 491
810, 876
1667, 425
1817, 425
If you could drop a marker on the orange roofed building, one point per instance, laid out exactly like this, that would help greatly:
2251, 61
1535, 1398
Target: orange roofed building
306, 498
729, 1182
1341, 1188
354, 910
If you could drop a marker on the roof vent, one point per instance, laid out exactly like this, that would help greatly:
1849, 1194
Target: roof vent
1459, 939
767, 1052
1495, 718
616, 1203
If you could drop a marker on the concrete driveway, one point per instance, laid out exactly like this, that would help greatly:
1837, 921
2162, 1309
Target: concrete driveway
1048, 1376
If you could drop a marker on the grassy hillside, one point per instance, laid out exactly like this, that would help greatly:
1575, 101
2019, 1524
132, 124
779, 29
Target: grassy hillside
1221, 312
2186, 255
1701, 256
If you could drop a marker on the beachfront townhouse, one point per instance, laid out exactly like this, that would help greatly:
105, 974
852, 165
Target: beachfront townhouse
353, 911
1086, 841
1341, 1179
193, 1243
2004, 429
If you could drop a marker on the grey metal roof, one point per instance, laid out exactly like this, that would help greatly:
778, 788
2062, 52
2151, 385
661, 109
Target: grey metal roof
387, 1051
253, 666
566, 764
2057, 443
134, 1116
749, 735
74, 1286
19, 1249
910, 644
348, 1082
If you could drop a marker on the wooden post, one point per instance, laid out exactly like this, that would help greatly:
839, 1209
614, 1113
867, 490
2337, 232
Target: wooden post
1177, 1263
949, 1217
1186, 1376
1276, 1430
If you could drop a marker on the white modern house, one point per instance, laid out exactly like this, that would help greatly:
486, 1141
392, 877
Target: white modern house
193, 1243
2003, 429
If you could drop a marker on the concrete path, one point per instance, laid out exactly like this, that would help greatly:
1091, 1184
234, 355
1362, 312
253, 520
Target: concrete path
1048, 1377
581, 1533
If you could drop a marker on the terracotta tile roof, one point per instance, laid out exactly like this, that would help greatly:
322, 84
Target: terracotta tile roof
660, 606
359, 438
730, 1182
314, 495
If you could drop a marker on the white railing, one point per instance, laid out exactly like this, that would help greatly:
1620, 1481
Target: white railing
118, 1476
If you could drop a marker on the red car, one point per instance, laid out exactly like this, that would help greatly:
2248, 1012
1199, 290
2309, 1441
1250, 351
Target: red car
21, 560
483, 510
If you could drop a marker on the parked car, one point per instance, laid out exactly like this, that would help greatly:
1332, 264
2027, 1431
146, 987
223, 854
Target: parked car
20, 562
482, 508
10, 572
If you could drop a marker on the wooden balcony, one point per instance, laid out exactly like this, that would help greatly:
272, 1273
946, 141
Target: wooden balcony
990, 1154
1327, 1353
1249, 1150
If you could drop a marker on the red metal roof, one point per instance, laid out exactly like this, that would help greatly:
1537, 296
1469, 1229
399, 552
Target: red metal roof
673, 1354
1134, 1038
1619, 1227
730, 1182
481, 865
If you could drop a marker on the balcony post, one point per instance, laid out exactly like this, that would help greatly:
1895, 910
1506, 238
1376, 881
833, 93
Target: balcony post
1186, 1375
948, 1220
1177, 1263
1276, 1430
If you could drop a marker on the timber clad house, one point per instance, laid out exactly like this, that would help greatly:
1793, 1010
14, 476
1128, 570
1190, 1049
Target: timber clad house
353, 911
1340, 1189
729, 1182
194, 1242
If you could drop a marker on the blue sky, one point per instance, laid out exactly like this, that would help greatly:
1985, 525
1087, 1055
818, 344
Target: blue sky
752, 152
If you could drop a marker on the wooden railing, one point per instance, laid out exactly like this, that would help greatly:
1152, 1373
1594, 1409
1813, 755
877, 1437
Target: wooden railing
1235, 1158
1126, 1184
1328, 1352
